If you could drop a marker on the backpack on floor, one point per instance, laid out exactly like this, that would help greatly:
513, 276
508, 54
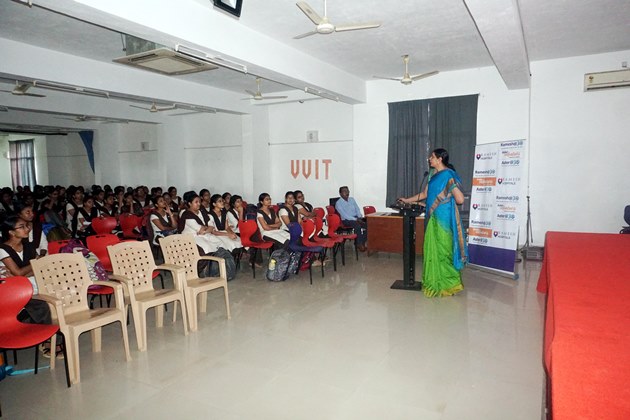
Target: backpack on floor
294, 263
278, 266
230, 264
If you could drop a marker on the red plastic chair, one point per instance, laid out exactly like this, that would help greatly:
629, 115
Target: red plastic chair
247, 229
330, 210
334, 224
368, 210
310, 238
319, 212
15, 292
128, 224
55, 246
103, 225
275, 208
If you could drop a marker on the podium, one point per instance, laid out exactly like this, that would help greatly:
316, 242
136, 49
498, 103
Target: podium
409, 212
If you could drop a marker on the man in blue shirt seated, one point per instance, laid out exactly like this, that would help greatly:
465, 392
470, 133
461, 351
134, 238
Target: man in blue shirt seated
351, 216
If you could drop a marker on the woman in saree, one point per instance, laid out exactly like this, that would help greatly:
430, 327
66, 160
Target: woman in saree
445, 250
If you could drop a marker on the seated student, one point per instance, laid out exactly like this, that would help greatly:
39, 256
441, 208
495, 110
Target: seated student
236, 213
142, 197
99, 199
226, 200
131, 206
177, 200
85, 215
6, 201
75, 201
351, 216
109, 208
190, 222
36, 236
204, 196
163, 221
269, 223
222, 230
170, 203
289, 213
306, 209
16, 254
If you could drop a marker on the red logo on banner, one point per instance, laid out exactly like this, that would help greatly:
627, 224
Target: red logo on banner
309, 166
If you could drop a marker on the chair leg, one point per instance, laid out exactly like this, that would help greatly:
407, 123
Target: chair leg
159, 316
37, 358
203, 302
227, 302
125, 339
191, 308
53, 345
65, 359
96, 340
310, 273
184, 320
343, 253
356, 249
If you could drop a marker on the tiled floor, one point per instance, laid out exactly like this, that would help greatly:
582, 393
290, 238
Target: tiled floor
347, 347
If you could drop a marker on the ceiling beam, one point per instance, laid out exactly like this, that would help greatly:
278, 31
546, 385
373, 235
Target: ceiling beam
499, 24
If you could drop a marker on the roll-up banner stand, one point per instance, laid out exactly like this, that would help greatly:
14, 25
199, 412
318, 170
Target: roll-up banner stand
495, 205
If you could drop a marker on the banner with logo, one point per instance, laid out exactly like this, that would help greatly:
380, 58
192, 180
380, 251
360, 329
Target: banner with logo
495, 202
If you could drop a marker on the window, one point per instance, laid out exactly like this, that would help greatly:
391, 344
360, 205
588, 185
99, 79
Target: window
22, 158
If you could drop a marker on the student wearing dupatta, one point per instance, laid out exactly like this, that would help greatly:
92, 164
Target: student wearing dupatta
445, 249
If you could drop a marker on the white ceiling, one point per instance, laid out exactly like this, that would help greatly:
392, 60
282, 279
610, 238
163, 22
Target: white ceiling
439, 35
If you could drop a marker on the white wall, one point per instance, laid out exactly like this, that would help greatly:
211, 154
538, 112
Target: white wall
330, 159
67, 161
580, 147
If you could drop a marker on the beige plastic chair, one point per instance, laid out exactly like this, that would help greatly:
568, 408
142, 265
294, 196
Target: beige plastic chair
63, 282
133, 265
182, 251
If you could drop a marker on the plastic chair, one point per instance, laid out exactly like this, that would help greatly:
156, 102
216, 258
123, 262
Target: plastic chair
330, 210
104, 225
276, 208
69, 299
248, 228
368, 210
55, 246
129, 222
310, 238
295, 244
181, 250
319, 212
98, 245
15, 293
133, 265
334, 224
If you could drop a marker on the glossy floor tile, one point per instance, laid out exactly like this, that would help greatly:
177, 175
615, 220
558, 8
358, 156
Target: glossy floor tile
347, 347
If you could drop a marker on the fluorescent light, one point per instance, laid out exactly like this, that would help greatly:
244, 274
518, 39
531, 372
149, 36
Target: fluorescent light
323, 94
216, 60
70, 89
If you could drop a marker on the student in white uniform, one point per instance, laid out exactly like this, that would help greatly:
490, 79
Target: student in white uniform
191, 222
222, 230
236, 213
36, 236
289, 213
163, 221
269, 223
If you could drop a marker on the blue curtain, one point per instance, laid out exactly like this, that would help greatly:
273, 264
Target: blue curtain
88, 138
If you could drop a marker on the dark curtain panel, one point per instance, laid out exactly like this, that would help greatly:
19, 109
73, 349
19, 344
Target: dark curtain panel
418, 127
88, 137
22, 156
407, 150
453, 126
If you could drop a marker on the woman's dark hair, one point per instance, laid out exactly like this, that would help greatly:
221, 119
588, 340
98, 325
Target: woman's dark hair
88, 197
226, 195
234, 198
127, 194
154, 199
189, 196
203, 191
19, 206
297, 192
288, 193
214, 199
9, 224
442, 153
171, 188
261, 197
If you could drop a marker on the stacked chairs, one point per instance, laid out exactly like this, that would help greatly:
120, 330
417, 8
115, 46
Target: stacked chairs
181, 251
133, 266
69, 301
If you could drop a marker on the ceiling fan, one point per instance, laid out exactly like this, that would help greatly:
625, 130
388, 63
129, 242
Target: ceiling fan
407, 78
21, 90
155, 108
323, 24
86, 118
258, 96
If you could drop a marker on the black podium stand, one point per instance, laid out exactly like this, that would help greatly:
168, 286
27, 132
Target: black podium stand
409, 213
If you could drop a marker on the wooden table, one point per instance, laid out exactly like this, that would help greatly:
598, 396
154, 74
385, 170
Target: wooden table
385, 233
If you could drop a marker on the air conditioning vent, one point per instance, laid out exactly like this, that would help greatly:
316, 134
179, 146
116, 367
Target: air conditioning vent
165, 61
607, 80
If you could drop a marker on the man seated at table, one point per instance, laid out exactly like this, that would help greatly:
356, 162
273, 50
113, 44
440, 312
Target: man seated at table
351, 216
